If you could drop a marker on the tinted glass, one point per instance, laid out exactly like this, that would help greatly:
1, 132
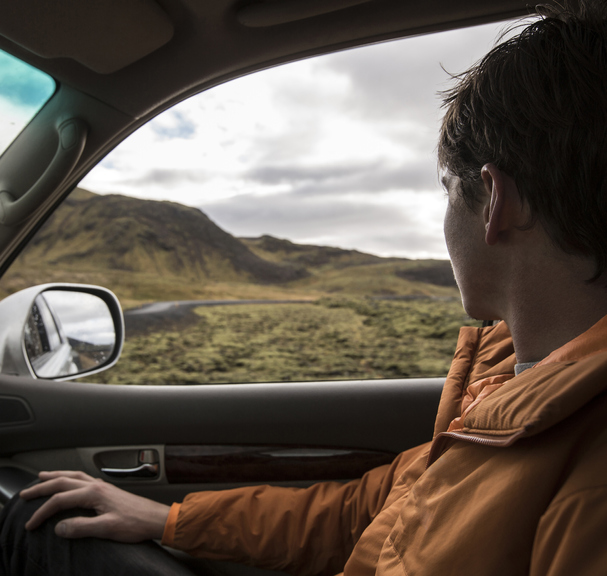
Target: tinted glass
23, 91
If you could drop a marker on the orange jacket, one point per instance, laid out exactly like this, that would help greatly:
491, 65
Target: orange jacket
517, 486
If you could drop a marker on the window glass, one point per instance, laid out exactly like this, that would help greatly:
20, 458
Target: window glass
23, 91
286, 226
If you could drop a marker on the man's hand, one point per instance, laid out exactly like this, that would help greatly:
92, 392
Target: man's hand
120, 516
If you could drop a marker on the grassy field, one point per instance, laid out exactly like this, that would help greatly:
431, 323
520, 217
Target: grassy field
332, 338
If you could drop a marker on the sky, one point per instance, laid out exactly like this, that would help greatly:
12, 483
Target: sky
336, 150
82, 316
23, 91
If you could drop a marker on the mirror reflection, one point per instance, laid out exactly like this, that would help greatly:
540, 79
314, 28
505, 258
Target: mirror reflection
68, 333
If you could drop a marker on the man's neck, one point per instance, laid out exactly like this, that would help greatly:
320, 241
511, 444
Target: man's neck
545, 320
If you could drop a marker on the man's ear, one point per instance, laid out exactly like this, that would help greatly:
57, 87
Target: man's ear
494, 181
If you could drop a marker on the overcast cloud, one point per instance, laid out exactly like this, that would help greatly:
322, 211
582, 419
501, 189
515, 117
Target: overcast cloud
336, 150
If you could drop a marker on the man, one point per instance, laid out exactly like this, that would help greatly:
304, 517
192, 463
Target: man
515, 480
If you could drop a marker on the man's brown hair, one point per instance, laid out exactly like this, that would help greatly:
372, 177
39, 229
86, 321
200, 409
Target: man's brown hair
536, 106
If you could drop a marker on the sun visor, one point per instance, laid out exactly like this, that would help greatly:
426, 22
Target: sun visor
103, 36
275, 12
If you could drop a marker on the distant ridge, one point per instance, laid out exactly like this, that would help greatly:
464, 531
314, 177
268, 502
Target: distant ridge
308, 255
440, 273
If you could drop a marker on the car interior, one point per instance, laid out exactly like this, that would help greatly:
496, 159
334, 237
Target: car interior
117, 64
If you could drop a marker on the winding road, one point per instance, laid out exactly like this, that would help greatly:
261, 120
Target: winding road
163, 307
176, 314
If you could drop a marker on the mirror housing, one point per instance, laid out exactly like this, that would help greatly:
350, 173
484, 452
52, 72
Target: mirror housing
60, 331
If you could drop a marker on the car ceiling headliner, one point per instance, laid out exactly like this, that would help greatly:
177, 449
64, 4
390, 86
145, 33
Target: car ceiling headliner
186, 45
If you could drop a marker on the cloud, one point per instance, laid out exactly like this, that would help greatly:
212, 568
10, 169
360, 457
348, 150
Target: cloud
374, 177
396, 82
406, 224
173, 124
167, 177
294, 174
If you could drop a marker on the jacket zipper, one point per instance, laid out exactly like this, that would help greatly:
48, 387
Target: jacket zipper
438, 444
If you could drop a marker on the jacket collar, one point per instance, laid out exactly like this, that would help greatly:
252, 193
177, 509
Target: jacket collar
539, 397
480, 353
536, 399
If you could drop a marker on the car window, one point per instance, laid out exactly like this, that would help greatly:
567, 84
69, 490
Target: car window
23, 91
285, 226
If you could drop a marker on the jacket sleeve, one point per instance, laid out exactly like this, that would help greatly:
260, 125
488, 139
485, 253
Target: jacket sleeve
571, 536
304, 531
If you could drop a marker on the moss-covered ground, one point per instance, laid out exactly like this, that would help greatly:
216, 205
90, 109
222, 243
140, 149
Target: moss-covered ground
332, 338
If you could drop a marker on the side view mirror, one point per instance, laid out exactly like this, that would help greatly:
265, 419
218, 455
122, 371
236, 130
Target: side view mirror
60, 331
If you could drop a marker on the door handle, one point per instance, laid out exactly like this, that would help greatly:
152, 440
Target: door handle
146, 470
148, 467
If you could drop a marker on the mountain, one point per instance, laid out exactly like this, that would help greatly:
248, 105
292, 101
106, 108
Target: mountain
310, 256
147, 251
123, 233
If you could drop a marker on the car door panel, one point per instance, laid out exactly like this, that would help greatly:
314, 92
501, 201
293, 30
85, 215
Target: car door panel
215, 436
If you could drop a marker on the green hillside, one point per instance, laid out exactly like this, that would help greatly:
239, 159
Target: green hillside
353, 273
147, 251
122, 233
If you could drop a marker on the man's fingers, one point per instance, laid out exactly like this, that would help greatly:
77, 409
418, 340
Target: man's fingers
44, 475
51, 486
80, 498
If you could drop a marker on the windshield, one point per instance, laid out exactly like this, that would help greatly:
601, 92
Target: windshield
23, 91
